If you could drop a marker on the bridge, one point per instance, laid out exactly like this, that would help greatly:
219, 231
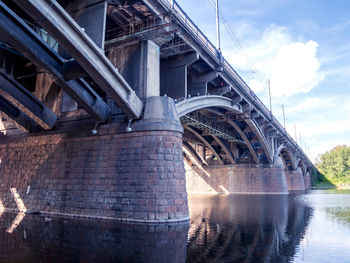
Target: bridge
103, 103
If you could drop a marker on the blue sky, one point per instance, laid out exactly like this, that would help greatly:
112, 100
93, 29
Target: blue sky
303, 47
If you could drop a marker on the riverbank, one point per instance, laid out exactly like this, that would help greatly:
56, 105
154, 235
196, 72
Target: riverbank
329, 185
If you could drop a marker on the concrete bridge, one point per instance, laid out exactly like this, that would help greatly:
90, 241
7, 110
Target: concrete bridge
103, 102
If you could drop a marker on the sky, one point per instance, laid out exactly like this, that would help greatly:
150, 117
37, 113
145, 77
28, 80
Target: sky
303, 48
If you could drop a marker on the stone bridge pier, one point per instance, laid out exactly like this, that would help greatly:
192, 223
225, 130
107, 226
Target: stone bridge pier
237, 179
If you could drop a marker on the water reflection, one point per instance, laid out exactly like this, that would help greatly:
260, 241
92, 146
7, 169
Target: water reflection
223, 228
37, 239
246, 228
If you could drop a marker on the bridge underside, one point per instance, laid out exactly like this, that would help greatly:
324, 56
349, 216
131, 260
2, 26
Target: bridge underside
98, 119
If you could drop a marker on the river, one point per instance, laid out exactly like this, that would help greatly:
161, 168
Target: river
312, 227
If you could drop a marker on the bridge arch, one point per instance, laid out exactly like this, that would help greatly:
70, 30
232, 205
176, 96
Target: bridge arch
286, 156
257, 131
211, 104
192, 152
205, 142
301, 164
201, 102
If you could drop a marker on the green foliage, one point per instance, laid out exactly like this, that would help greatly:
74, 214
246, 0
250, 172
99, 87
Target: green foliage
335, 165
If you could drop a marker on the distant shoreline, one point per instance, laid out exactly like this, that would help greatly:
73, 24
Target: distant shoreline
325, 186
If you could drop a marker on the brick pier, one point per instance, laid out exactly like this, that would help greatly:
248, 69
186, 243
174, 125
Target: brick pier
295, 180
132, 176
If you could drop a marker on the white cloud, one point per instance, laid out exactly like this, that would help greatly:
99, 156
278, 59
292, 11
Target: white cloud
314, 103
293, 67
257, 85
324, 127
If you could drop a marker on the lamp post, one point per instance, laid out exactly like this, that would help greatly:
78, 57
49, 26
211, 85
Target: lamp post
218, 45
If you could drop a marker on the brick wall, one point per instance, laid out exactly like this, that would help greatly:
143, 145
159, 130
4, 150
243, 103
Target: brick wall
136, 176
307, 181
295, 180
236, 179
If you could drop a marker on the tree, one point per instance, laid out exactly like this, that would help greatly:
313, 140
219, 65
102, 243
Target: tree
335, 164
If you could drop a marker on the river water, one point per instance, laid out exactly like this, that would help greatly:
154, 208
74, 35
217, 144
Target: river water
313, 227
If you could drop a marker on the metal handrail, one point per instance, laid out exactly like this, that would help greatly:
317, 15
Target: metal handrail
194, 30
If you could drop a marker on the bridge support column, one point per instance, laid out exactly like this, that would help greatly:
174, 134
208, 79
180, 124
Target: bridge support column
307, 181
133, 175
295, 180
140, 66
237, 179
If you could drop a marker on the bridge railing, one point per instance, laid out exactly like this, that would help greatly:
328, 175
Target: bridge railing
193, 29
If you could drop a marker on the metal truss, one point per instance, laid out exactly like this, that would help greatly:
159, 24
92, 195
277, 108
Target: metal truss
139, 30
176, 46
208, 126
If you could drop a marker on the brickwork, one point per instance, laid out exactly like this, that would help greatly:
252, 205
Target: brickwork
295, 180
236, 179
136, 176
307, 181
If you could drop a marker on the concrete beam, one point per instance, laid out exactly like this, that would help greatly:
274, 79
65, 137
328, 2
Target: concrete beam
237, 99
24, 39
259, 119
254, 115
173, 75
72, 70
198, 85
222, 91
141, 68
90, 15
204, 78
20, 94
51, 16
247, 108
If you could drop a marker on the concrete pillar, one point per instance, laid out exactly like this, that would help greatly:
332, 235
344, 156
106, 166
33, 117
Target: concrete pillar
307, 181
295, 180
139, 65
173, 75
131, 175
243, 179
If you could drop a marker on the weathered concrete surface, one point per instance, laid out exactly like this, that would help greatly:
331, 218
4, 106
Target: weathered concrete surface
135, 176
236, 179
295, 180
139, 65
